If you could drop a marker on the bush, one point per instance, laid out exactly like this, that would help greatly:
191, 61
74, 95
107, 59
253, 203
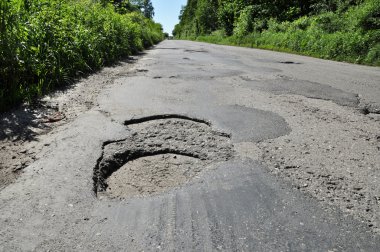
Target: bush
329, 22
48, 43
244, 24
369, 15
302, 23
374, 55
226, 17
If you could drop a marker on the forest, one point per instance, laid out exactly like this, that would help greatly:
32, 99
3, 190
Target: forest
343, 30
45, 44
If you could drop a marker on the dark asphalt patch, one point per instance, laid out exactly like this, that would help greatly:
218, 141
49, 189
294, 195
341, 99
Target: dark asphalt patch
247, 124
167, 48
305, 88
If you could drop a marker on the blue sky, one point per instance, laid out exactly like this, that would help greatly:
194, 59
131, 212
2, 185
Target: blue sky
166, 12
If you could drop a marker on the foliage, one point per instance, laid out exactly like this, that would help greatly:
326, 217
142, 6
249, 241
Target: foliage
347, 30
244, 23
206, 17
145, 6
49, 43
226, 15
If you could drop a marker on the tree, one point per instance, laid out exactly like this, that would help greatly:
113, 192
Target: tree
145, 6
206, 16
226, 15
123, 6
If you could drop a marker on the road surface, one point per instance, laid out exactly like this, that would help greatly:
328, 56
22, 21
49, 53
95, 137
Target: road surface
202, 147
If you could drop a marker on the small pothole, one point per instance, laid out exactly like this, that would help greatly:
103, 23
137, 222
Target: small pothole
365, 111
162, 152
289, 62
196, 51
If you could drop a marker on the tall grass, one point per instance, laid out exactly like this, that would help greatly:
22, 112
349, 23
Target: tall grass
49, 43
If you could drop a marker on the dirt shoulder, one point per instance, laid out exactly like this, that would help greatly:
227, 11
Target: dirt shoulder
22, 129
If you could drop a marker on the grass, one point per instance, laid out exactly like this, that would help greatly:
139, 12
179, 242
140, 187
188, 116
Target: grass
45, 44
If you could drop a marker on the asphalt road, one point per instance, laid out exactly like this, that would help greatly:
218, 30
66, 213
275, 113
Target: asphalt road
228, 204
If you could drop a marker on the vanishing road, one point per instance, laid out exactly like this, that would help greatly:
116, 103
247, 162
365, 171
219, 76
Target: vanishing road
199, 147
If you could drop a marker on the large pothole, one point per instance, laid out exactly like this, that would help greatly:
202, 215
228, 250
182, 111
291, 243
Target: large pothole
162, 152
150, 175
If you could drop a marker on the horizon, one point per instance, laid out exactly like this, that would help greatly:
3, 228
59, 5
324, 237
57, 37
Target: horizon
166, 13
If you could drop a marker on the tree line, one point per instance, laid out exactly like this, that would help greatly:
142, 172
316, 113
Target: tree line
278, 24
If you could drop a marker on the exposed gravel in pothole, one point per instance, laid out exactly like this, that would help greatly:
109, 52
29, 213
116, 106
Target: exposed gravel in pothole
153, 174
158, 155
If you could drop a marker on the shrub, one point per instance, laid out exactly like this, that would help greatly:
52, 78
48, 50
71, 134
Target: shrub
244, 24
48, 43
373, 55
329, 22
369, 15
226, 17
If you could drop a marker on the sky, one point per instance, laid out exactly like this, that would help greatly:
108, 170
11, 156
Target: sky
166, 12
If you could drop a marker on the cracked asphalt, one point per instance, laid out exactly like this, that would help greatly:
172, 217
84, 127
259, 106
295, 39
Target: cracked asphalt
263, 151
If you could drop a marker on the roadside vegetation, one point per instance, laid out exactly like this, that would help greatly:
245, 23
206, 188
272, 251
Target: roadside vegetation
45, 44
344, 30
